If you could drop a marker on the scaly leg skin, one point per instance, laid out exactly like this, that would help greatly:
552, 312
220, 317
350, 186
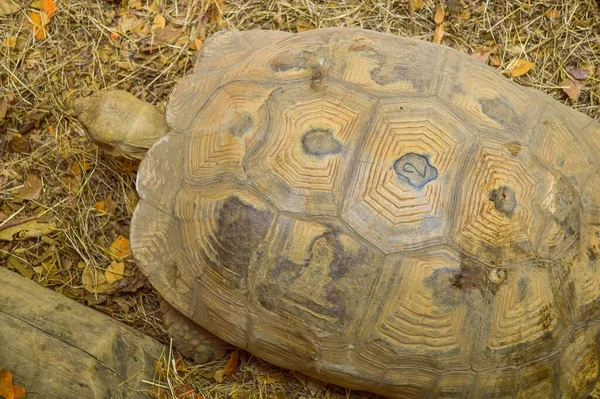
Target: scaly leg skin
190, 339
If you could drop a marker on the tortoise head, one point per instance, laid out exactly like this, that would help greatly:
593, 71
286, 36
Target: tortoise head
119, 123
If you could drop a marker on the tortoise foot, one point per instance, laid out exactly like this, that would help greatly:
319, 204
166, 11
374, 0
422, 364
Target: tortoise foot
191, 339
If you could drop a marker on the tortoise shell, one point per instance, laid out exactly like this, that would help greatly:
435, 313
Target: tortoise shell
379, 212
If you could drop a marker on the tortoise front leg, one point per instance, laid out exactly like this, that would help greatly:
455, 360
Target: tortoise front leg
191, 339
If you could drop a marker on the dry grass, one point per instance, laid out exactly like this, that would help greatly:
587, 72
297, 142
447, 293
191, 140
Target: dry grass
99, 45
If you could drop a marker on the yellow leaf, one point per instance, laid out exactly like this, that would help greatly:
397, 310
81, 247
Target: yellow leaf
38, 24
417, 5
94, 281
28, 229
438, 35
519, 67
114, 272
8, 7
49, 7
10, 41
120, 248
439, 14
159, 22
216, 15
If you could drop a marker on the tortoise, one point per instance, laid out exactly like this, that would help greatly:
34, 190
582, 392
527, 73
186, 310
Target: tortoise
378, 212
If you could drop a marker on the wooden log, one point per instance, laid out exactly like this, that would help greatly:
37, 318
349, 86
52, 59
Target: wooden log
58, 348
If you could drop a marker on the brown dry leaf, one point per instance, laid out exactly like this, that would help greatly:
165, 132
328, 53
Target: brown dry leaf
572, 88
8, 7
495, 60
32, 188
438, 35
198, 43
159, 22
28, 229
39, 21
482, 56
552, 13
439, 14
129, 23
49, 7
579, 73
216, 14
120, 248
519, 67
230, 367
303, 26
106, 206
114, 272
94, 281
3, 108
185, 392
168, 34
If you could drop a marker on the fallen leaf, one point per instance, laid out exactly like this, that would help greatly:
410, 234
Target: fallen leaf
438, 35
39, 21
49, 7
230, 367
552, 13
159, 22
28, 229
439, 14
168, 34
216, 14
482, 56
6, 385
303, 26
19, 145
495, 60
7, 389
414, 6
8, 7
32, 188
129, 23
578, 73
185, 392
572, 88
519, 67
10, 41
94, 281
198, 43
120, 248
24, 269
114, 272
3, 108
19, 392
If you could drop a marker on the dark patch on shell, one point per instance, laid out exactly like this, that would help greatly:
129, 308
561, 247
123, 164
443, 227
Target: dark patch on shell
241, 229
500, 110
320, 142
504, 200
325, 247
241, 125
